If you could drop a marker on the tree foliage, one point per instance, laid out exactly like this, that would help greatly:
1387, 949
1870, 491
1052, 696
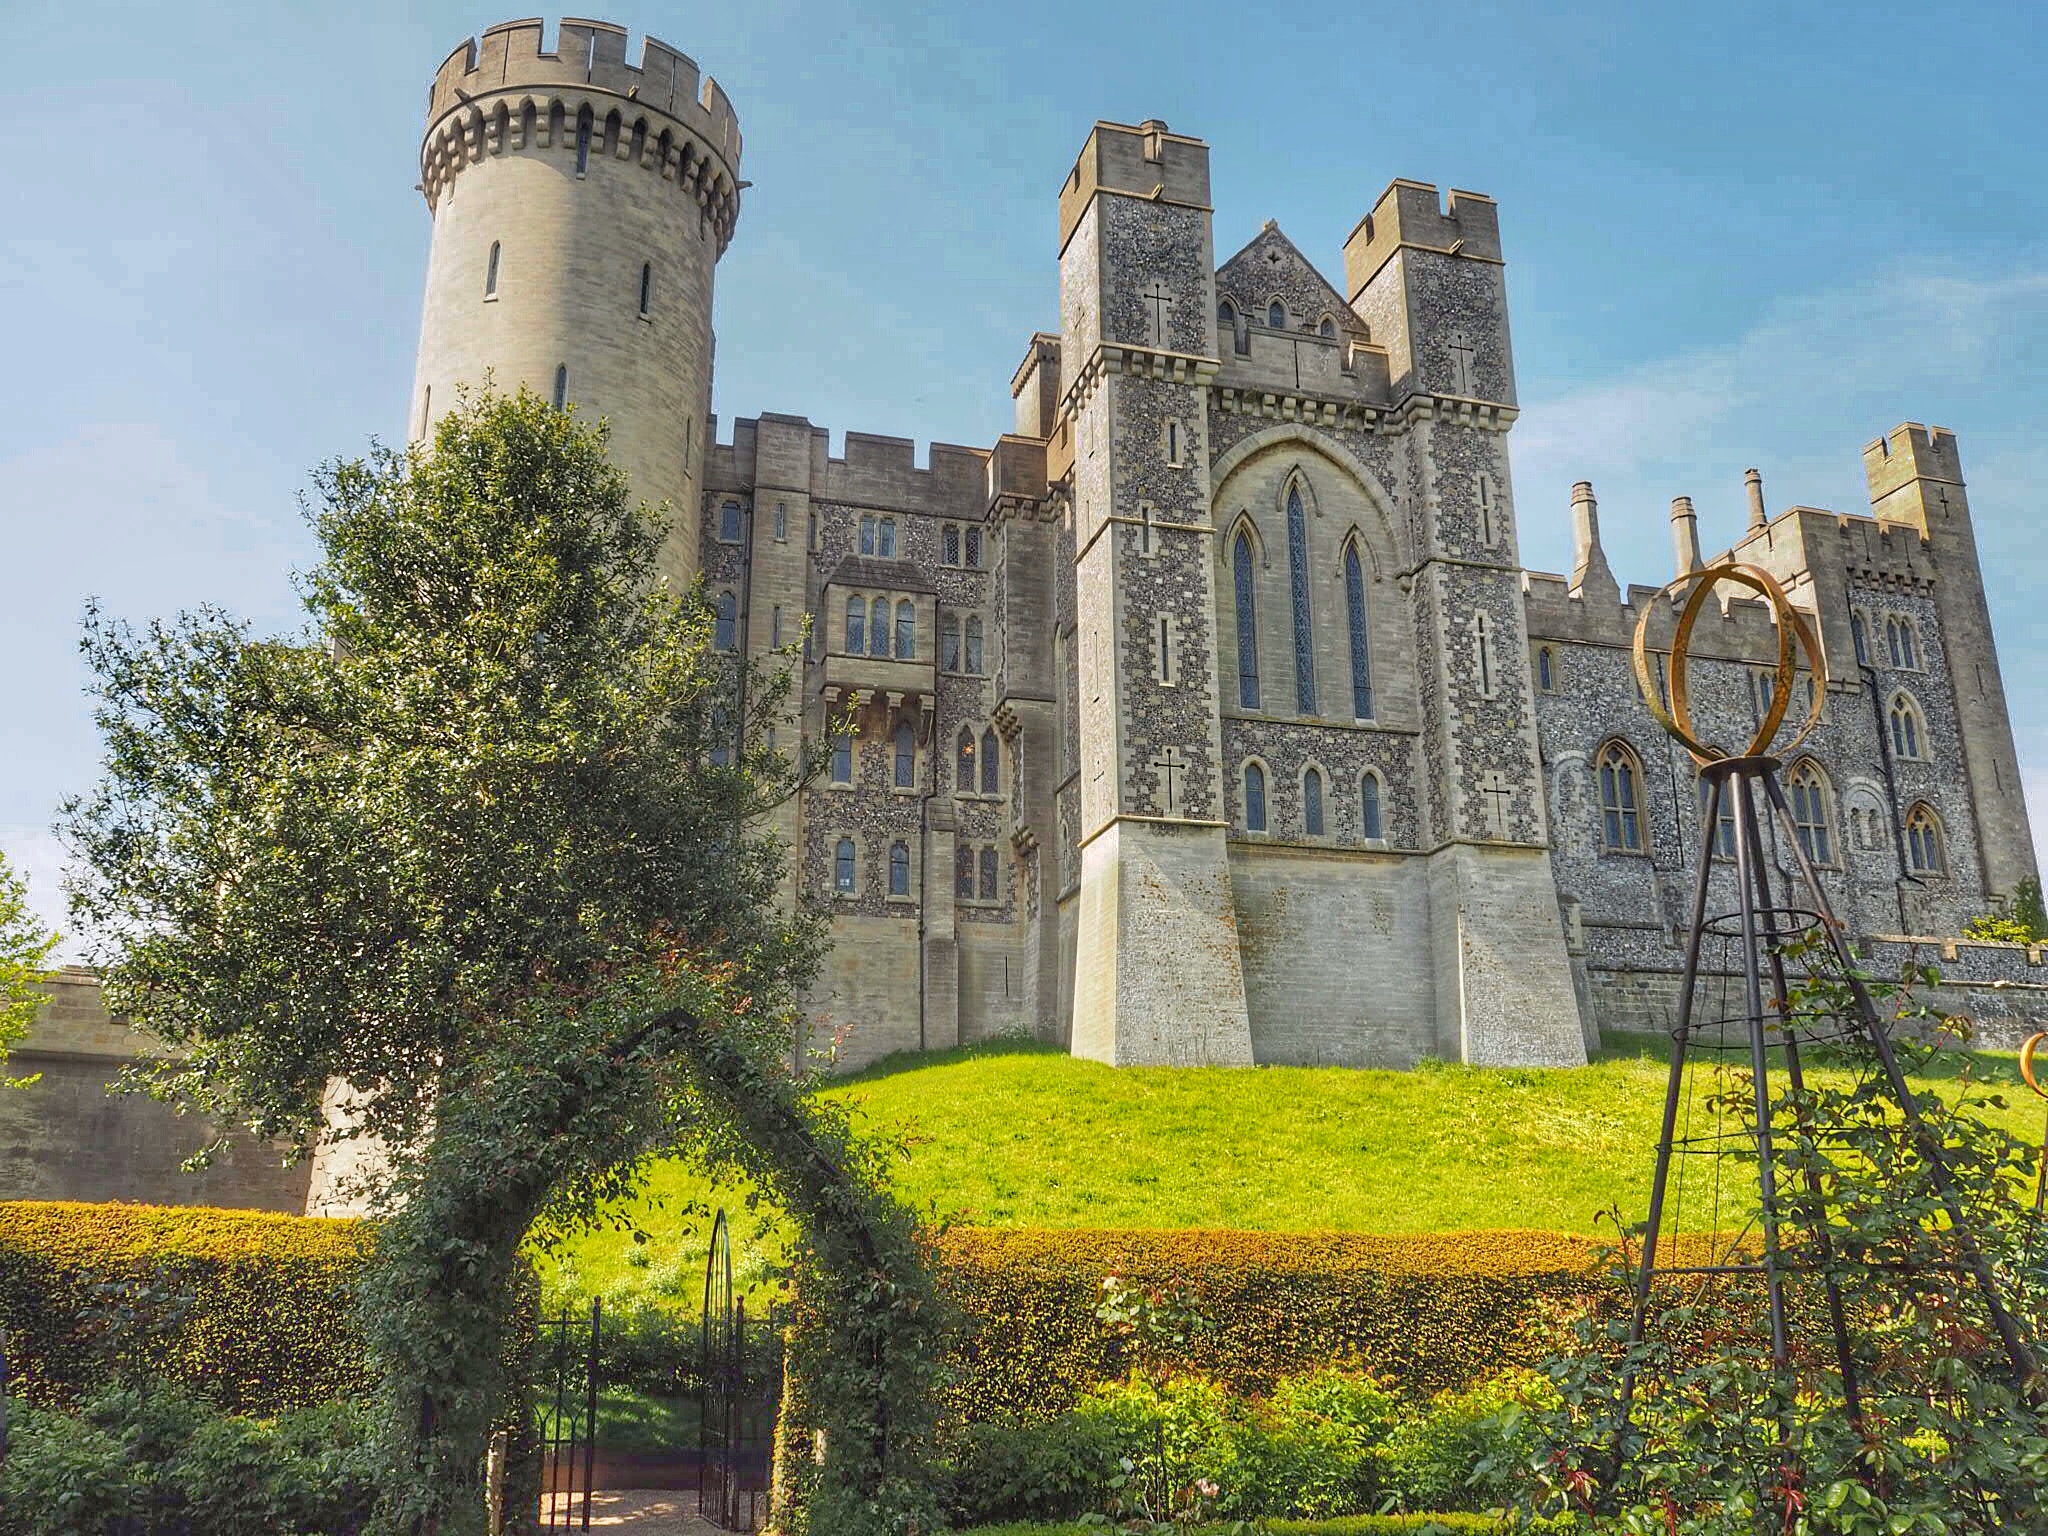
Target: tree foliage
1945, 1436
482, 849
25, 949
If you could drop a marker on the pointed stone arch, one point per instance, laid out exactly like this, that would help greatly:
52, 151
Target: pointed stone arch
1335, 454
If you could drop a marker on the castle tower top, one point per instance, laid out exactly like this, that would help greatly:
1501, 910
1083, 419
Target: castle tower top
502, 91
1146, 161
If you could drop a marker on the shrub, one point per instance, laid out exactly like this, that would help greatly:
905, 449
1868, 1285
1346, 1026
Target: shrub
1426, 1313
251, 1310
1050, 1471
1468, 1450
166, 1464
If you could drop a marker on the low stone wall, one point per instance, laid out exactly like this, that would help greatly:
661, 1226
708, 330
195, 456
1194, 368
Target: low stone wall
2001, 988
67, 1138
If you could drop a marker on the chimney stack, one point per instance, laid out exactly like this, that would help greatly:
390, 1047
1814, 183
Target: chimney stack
1755, 482
1685, 535
1589, 561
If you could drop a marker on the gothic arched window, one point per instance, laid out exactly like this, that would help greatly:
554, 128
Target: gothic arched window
1369, 806
1247, 621
1808, 791
906, 755
1546, 669
1226, 317
988, 873
842, 865
1923, 841
1621, 819
491, 273
856, 625
1327, 329
974, 643
842, 758
991, 763
906, 630
1361, 644
724, 627
584, 120
1304, 627
1276, 315
949, 642
1312, 802
1906, 731
899, 869
1860, 635
878, 626
963, 762
561, 386
1254, 798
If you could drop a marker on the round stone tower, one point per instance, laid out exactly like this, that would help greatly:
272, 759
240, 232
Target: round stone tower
580, 206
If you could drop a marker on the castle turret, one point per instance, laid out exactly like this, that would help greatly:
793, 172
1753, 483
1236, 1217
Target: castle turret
1915, 477
580, 205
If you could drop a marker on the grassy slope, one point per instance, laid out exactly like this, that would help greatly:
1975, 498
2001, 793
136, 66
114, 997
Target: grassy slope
1023, 1137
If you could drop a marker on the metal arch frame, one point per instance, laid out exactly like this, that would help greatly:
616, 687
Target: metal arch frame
1744, 778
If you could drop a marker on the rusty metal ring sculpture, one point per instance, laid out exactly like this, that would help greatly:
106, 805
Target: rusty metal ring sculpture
2033, 1044
1793, 629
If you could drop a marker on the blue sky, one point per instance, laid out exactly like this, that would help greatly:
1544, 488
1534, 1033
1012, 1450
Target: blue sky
1737, 234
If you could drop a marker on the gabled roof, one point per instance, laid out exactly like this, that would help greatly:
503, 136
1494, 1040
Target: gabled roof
867, 571
1272, 266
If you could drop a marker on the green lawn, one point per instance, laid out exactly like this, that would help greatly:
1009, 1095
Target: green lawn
1017, 1136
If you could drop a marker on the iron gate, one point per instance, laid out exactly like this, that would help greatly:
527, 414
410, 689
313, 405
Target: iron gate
738, 1389
568, 1347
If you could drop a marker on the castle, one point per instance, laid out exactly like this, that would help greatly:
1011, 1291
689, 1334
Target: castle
1209, 715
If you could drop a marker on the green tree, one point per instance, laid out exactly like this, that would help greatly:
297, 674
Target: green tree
25, 949
482, 848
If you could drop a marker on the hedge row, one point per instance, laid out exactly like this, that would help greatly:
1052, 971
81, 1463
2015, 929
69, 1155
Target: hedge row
1429, 1312
1343, 1525
252, 1310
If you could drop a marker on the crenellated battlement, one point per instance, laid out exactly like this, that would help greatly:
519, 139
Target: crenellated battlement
1414, 214
501, 93
1910, 452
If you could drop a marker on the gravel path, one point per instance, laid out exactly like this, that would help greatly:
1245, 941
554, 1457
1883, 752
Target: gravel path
645, 1514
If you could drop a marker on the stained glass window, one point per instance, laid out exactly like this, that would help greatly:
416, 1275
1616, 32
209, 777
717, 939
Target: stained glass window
1247, 623
1923, 841
906, 630
856, 625
991, 763
1369, 806
1312, 803
1361, 644
1304, 627
1905, 727
1808, 792
1254, 798
1621, 821
963, 766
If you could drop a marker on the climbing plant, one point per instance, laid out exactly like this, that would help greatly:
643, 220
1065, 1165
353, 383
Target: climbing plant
1929, 1427
477, 859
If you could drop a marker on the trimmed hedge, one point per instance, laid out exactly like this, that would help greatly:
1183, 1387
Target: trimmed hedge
1343, 1525
254, 1311
1426, 1312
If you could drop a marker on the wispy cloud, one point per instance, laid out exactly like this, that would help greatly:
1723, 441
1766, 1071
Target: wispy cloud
1798, 394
